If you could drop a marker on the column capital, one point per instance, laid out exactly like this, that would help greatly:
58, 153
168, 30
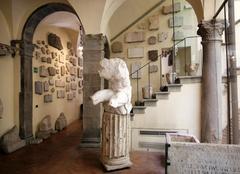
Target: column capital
211, 30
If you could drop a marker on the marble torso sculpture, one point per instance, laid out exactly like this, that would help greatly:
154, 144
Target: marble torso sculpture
115, 121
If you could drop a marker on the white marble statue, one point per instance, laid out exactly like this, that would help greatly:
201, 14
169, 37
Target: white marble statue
116, 117
120, 91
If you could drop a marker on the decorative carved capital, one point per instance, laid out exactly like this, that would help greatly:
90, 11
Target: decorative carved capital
211, 30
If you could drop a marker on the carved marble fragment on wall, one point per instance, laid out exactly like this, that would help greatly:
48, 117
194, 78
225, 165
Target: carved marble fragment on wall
69, 45
73, 71
54, 41
136, 52
162, 36
63, 71
51, 82
68, 79
38, 55
153, 55
60, 94
80, 62
61, 122
67, 87
179, 35
178, 21
43, 59
43, 72
48, 98
153, 68
49, 60
169, 9
70, 96
154, 22
59, 83
46, 86
80, 73
117, 47
152, 40
51, 71
73, 86
134, 67
143, 25
38, 87
68, 66
137, 36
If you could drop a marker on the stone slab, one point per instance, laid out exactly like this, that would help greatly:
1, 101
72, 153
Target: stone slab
153, 55
51, 71
60, 93
38, 87
117, 47
179, 35
135, 66
153, 22
137, 52
46, 86
48, 98
168, 9
153, 68
11, 141
152, 40
59, 83
178, 21
73, 86
162, 36
43, 72
70, 96
203, 158
61, 122
137, 36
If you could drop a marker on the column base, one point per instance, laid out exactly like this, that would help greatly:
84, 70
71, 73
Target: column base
115, 164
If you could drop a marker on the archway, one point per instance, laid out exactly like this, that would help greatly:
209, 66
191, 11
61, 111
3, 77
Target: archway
27, 46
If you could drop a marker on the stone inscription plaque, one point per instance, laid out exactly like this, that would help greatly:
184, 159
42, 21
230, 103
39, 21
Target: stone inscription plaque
188, 158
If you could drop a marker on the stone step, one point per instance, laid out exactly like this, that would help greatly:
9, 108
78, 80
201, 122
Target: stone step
150, 102
161, 95
139, 109
174, 87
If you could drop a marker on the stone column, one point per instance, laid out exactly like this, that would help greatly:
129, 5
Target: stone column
115, 139
92, 54
211, 125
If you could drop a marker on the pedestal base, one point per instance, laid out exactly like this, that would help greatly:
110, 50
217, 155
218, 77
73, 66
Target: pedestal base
119, 166
115, 141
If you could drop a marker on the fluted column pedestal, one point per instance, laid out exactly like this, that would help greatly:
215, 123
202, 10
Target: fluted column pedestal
115, 139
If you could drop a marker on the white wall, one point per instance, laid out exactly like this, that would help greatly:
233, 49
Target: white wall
71, 108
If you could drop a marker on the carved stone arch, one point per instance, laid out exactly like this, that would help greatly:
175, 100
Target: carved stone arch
26, 94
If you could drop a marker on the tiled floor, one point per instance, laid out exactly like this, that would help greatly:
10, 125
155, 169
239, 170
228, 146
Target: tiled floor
60, 154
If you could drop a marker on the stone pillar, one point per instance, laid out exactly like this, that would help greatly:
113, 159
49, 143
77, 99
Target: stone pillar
211, 125
115, 139
92, 54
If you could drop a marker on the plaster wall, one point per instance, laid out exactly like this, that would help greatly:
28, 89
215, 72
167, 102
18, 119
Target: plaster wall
71, 108
6, 80
181, 111
189, 28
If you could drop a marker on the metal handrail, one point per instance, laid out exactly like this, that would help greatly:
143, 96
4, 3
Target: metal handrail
220, 9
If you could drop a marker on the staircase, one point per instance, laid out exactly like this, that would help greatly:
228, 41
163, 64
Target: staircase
156, 97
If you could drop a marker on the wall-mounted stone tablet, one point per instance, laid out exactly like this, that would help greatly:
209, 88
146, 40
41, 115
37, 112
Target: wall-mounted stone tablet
43, 72
117, 47
137, 36
136, 52
152, 40
48, 98
153, 55
38, 87
169, 9
178, 21
153, 22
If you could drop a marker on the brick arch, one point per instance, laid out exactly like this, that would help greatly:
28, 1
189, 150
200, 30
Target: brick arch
27, 48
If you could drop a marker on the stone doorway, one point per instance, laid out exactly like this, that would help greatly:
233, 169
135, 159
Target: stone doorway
26, 94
